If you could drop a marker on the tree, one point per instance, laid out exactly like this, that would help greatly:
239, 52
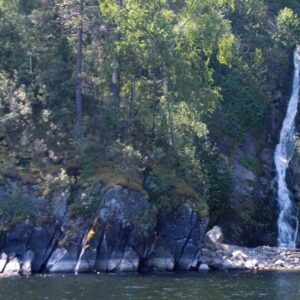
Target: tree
288, 27
79, 58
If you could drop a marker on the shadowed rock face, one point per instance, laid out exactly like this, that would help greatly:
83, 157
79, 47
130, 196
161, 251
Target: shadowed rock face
249, 218
179, 235
125, 235
293, 179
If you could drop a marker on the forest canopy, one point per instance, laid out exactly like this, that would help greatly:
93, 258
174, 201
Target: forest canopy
123, 88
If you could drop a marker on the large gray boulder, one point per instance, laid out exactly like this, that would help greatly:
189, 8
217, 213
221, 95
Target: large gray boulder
214, 236
13, 267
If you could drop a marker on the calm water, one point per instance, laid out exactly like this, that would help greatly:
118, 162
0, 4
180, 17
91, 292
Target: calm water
211, 286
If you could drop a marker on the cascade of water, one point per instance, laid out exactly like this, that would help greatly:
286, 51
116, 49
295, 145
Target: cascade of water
287, 221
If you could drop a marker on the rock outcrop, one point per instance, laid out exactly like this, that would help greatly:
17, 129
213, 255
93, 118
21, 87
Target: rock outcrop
179, 236
123, 234
244, 219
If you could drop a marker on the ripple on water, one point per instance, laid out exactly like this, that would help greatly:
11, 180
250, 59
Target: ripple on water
210, 286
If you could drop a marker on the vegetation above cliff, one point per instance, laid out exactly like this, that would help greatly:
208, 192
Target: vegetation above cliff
149, 94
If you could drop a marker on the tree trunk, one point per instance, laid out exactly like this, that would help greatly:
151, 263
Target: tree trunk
79, 57
154, 104
171, 124
116, 79
115, 87
132, 102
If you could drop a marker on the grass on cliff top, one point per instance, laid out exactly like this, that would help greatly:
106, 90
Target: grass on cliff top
110, 175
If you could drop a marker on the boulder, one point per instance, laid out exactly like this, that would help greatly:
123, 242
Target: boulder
239, 255
214, 236
13, 267
280, 263
204, 267
251, 264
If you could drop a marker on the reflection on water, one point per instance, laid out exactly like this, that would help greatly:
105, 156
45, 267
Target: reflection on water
285, 285
208, 286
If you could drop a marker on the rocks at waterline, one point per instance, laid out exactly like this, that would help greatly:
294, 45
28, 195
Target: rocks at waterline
230, 257
242, 258
125, 234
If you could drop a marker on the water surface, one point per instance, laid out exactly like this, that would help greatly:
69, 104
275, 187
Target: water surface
210, 286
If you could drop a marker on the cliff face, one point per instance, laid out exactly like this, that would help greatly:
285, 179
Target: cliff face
293, 175
250, 217
251, 211
124, 234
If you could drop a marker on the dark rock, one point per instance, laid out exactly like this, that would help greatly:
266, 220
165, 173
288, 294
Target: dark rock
161, 259
180, 234
59, 200
17, 238
41, 243
123, 236
3, 261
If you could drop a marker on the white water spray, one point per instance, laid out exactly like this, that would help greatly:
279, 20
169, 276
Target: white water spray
287, 221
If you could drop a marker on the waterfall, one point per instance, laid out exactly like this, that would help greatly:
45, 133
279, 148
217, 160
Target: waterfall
287, 221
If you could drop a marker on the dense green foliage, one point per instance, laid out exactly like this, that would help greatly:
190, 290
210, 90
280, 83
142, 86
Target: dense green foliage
163, 87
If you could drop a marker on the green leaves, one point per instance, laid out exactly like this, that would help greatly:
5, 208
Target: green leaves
288, 27
225, 49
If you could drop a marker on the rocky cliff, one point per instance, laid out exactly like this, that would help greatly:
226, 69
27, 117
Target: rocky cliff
123, 234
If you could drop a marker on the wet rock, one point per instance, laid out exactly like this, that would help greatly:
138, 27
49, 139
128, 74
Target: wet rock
127, 224
129, 262
160, 260
60, 261
42, 242
204, 267
65, 256
12, 267
233, 265
180, 234
27, 262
